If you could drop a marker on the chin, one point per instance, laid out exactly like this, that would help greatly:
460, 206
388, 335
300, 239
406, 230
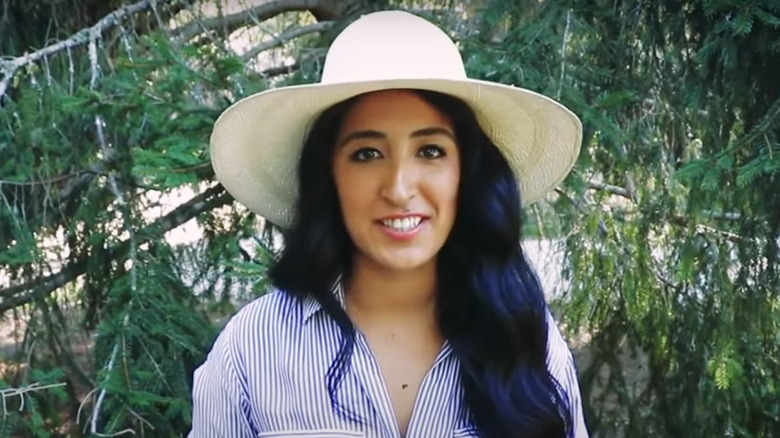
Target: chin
404, 266
386, 257
404, 262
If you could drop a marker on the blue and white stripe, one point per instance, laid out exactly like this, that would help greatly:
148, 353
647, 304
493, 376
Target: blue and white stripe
265, 377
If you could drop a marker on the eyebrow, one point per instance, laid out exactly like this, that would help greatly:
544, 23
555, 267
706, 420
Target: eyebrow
372, 134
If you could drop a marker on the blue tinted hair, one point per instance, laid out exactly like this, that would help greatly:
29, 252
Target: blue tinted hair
490, 303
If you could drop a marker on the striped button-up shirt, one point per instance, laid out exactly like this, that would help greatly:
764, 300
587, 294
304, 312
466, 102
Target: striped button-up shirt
265, 377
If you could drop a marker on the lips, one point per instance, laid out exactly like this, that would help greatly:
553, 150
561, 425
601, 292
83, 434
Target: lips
405, 224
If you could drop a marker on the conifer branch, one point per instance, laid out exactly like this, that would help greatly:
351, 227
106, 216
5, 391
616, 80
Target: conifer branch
612, 189
107, 151
627, 193
232, 22
286, 36
12, 392
110, 366
24, 293
564, 43
84, 36
279, 70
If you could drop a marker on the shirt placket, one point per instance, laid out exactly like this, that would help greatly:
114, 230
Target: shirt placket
434, 412
370, 377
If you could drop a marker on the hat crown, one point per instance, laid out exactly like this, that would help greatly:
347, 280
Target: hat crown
391, 45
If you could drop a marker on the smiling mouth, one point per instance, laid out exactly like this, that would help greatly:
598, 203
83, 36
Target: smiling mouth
403, 225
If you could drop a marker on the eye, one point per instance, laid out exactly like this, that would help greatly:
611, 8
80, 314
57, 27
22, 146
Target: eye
365, 154
431, 151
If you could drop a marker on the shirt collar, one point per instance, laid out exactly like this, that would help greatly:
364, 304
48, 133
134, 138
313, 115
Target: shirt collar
311, 306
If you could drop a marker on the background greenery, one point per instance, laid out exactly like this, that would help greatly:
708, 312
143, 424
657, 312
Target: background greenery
120, 256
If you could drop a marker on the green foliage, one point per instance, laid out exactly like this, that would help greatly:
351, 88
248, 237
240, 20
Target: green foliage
31, 404
151, 303
153, 340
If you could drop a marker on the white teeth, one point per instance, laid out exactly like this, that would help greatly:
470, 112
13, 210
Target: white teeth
405, 224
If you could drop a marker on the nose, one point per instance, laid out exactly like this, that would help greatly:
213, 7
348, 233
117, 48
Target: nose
398, 184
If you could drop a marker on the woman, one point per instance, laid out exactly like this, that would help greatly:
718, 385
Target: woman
404, 305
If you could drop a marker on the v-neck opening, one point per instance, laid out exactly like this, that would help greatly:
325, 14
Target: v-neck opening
384, 405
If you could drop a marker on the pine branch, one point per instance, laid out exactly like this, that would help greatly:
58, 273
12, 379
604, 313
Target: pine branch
265, 11
22, 392
723, 215
564, 44
579, 207
24, 293
615, 190
9, 68
769, 121
285, 37
132, 242
98, 169
280, 70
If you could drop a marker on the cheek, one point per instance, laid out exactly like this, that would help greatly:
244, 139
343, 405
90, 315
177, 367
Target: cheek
351, 201
354, 194
448, 192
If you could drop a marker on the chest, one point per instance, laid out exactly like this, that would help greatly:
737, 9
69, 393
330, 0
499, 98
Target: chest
412, 392
403, 361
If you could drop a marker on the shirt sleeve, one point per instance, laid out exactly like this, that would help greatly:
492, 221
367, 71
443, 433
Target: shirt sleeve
560, 362
220, 402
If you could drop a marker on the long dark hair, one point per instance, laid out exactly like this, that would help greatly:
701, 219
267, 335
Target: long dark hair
490, 307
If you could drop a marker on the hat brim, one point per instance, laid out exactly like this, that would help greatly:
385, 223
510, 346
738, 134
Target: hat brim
256, 143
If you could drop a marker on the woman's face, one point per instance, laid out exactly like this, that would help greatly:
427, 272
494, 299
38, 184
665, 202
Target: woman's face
396, 168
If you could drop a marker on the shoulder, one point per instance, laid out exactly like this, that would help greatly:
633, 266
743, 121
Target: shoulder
561, 365
262, 323
560, 360
273, 307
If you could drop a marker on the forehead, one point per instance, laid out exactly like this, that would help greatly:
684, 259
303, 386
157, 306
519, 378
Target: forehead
392, 109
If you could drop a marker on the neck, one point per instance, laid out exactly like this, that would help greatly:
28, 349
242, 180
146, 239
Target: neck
382, 293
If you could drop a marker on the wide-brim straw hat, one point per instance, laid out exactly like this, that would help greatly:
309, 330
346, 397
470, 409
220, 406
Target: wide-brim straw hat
256, 143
